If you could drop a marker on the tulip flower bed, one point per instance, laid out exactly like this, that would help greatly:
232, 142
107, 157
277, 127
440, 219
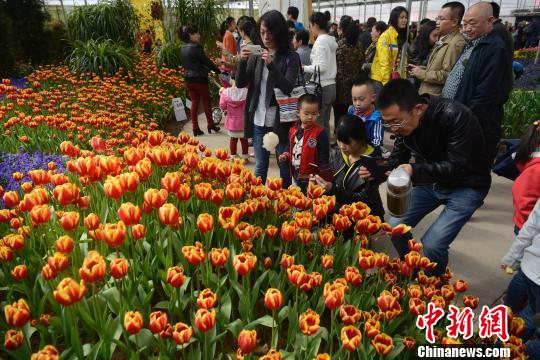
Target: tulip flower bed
169, 251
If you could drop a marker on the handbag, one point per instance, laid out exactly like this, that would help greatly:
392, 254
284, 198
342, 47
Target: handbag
505, 165
288, 103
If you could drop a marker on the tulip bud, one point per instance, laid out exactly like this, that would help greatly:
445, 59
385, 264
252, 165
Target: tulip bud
158, 322
138, 231
130, 214
273, 299
350, 337
175, 276
219, 257
17, 314
19, 272
247, 341
308, 322
69, 291
207, 299
118, 268
91, 221
194, 254
205, 222
182, 333
13, 339
383, 344
205, 320
133, 322
350, 314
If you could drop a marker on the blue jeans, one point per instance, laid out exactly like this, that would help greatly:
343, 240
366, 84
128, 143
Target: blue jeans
460, 204
262, 156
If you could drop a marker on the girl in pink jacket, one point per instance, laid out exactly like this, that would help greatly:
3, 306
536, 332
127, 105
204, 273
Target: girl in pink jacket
233, 100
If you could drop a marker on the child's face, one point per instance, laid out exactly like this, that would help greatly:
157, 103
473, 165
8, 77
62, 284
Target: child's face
308, 113
363, 97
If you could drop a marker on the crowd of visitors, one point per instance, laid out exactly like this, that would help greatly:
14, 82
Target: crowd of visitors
440, 90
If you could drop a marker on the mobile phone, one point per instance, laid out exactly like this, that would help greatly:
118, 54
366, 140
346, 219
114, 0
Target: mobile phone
376, 166
254, 49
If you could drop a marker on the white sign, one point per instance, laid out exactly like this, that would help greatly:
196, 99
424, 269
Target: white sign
179, 110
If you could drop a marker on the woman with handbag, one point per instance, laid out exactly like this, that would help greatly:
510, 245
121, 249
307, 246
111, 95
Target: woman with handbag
391, 55
275, 67
323, 65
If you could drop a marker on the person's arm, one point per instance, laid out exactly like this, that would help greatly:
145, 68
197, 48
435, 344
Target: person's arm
384, 57
285, 82
245, 71
487, 89
524, 239
344, 196
450, 56
206, 61
459, 147
223, 102
319, 60
229, 43
375, 132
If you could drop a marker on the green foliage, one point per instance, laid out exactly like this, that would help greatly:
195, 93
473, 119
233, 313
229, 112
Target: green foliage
168, 55
114, 19
206, 14
100, 57
520, 110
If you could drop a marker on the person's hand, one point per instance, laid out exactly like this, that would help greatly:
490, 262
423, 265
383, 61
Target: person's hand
416, 71
507, 269
364, 173
407, 167
219, 44
284, 157
327, 185
265, 55
245, 53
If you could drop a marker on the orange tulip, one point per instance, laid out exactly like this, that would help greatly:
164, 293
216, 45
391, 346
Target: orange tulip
13, 339
207, 299
244, 263
288, 231
114, 234
315, 191
417, 306
138, 231
383, 344
130, 214
168, 215
471, 301
327, 237
155, 198
517, 326
295, 274
155, 138
133, 155
247, 341
93, 267
171, 182
409, 342
144, 169
113, 187
353, 276
324, 356
19, 272
460, 286
17, 314
47, 272
387, 302
243, 231
66, 194
271, 231
327, 261
69, 220
350, 337
203, 191
415, 291
175, 276
69, 291
414, 245
182, 333
273, 299
40, 214
205, 320
412, 259
309, 322
350, 314
286, 261
97, 143
14, 241
118, 268
67, 148
274, 184
49, 352
205, 222
133, 322
366, 259
11, 199
381, 260
400, 229
228, 217
39, 177
234, 191
191, 160
219, 257
91, 221
158, 322
304, 236
184, 192
372, 328
194, 254
334, 295
58, 262
130, 181
64, 244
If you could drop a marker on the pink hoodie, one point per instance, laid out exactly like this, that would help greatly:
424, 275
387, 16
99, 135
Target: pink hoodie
233, 101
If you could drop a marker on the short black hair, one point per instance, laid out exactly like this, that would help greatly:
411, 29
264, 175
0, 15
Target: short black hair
380, 26
327, 15
370, 22
293, 11
457, 8
350, 127
320, 20
398, 92
364, 80
187, 30
350, 30
496, 9
275, 22
309, 99
302, 35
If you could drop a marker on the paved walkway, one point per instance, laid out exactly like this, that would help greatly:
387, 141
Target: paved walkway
475, 254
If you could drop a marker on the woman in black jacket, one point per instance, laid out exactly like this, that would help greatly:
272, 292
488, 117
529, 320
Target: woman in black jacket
353, 151
277, 66
196, 65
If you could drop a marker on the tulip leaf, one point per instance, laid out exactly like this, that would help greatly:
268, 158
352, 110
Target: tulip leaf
225, 308
91, 351
255, 290
86, 317
266, 320
145, 340
112, 295
238, 288
162, 305
235, 327
397, 351
283, 313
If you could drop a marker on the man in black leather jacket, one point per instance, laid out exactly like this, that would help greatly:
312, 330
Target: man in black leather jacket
451, 166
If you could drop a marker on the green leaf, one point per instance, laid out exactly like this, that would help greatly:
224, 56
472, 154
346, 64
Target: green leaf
266, 320
238, 288
255, 290
283, 314
162, 305
235, 327
112, 296
145, 339
225, 308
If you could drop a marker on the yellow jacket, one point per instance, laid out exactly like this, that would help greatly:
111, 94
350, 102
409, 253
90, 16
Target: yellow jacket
386, 56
